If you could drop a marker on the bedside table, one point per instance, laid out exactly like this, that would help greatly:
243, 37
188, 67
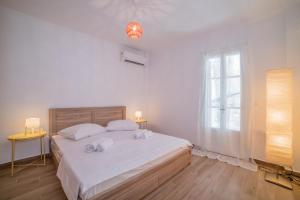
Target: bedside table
28, 136
142, 124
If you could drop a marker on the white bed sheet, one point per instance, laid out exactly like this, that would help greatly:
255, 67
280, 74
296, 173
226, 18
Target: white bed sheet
80, 172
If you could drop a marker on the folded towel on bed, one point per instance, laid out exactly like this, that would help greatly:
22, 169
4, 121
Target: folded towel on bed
143, 134
104, 144
90, 147
99, 146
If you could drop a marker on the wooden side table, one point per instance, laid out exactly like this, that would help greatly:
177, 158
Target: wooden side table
28, 136
142, 124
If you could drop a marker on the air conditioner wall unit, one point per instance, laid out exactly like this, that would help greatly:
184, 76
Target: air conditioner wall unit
134, 57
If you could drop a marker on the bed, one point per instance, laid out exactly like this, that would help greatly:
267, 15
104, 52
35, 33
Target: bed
128, 173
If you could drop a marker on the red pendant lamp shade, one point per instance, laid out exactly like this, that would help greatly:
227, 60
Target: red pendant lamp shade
134, 30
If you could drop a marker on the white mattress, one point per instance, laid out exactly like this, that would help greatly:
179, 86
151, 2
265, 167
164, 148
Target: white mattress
87, 174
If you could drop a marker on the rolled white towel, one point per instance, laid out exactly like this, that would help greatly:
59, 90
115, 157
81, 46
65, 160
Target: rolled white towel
88, 148
147, 134
138, 135
104, 144
143, 134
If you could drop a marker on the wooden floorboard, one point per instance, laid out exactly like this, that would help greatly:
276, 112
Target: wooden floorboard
203, 179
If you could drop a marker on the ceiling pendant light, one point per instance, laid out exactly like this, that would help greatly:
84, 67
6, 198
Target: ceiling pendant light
134, 30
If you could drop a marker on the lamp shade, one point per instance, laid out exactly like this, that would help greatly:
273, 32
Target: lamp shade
134, 30
32, 122
279, 117
138, 115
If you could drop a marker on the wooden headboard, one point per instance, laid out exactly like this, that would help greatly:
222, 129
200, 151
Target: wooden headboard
60, 118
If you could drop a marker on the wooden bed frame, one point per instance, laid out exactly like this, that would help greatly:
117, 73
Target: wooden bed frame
137, 186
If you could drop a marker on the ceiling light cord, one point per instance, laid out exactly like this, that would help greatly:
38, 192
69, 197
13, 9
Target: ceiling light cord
134, 16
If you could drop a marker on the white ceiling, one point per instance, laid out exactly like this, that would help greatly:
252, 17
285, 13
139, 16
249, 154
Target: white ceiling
162, 20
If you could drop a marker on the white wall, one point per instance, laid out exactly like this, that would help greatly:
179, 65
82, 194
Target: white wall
174, 88
43, 65
293, 60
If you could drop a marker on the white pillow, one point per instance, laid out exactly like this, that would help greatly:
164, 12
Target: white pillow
122, 125
81, 131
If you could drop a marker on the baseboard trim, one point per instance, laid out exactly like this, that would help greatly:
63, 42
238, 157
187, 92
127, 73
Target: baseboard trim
21, 161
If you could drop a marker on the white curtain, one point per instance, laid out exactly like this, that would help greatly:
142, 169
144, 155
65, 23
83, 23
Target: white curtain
233, 143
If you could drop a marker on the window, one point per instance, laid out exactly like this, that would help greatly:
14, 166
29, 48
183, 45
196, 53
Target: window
224, 90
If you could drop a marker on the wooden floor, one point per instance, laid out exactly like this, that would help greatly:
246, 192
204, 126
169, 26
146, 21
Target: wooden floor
203, 179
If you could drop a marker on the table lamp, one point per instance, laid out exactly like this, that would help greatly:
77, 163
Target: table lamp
32, 123
138, 115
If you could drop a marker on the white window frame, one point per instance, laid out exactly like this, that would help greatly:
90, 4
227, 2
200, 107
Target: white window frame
223, 86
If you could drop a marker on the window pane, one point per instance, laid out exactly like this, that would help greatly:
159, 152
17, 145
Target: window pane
232, 86
233, 64
224, 69
215, 118
215, 92
233, 101
233, 119
214, 64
